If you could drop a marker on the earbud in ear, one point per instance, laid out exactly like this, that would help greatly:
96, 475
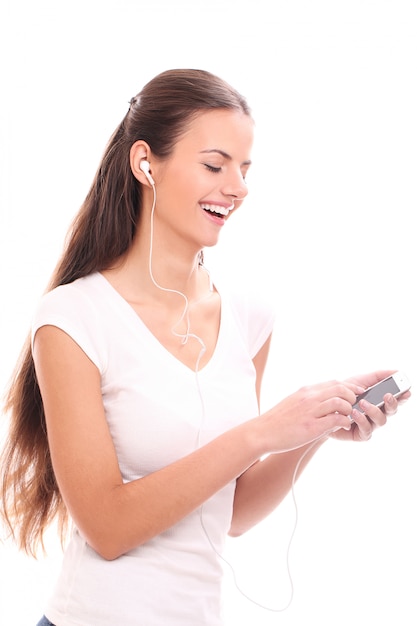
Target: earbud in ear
145, 166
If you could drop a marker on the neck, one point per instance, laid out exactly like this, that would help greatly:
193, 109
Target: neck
191, 280
159, 277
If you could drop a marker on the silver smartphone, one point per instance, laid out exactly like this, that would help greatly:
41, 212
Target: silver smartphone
396, 384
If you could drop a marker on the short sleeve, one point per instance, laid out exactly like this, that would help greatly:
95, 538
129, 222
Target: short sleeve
72, 310
255, 316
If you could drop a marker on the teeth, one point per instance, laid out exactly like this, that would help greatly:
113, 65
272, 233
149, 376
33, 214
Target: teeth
214, 208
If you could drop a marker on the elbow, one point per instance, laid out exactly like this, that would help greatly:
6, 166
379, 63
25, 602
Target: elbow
103, 539
107, 549
107, 552
109, 546
243, 520
110, 532
236, 530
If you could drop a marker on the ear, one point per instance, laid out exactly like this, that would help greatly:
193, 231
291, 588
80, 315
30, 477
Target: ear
140, 151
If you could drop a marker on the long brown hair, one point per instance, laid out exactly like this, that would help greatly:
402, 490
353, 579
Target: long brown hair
102, 231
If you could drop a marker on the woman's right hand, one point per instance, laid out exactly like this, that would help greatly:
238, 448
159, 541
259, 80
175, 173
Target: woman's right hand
308, 414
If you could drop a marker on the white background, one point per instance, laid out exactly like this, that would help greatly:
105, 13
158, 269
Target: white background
328, 230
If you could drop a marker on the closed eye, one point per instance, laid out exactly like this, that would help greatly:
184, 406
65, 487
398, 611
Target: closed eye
211, 168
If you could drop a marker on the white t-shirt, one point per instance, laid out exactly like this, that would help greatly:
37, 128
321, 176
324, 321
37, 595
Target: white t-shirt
158, 410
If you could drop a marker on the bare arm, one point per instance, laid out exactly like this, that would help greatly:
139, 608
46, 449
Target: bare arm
115, 517
261, 488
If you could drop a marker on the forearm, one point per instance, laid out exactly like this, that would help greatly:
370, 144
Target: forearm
115, 517
261, 488
131, 514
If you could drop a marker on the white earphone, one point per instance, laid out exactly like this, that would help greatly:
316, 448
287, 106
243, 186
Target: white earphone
145, 166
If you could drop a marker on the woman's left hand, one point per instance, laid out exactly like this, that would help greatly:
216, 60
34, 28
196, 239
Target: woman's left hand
370, 417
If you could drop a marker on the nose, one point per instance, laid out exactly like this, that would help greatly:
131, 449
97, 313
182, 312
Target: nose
235, 186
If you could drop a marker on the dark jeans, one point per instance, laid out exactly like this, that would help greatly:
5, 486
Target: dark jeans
44, 622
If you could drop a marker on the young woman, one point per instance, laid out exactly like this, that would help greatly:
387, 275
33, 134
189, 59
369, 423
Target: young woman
135, 408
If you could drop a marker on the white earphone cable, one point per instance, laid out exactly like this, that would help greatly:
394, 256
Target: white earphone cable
184, 338
230, 566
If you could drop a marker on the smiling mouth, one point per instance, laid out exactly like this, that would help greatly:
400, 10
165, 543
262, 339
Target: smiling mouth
215, 209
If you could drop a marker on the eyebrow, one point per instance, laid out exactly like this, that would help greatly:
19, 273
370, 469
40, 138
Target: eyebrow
223, 154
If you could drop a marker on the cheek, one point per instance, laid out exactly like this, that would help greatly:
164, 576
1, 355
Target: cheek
176, 179
185, 186
176, 196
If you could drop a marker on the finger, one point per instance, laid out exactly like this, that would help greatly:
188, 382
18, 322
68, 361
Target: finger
334, 388
390, 405
355, 387
367, 380
375, 415
403, 397
346, 391
346, 422
336, 405
333, 422
364, 426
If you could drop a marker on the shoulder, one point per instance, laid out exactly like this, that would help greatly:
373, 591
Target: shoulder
75, 309
68, 301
